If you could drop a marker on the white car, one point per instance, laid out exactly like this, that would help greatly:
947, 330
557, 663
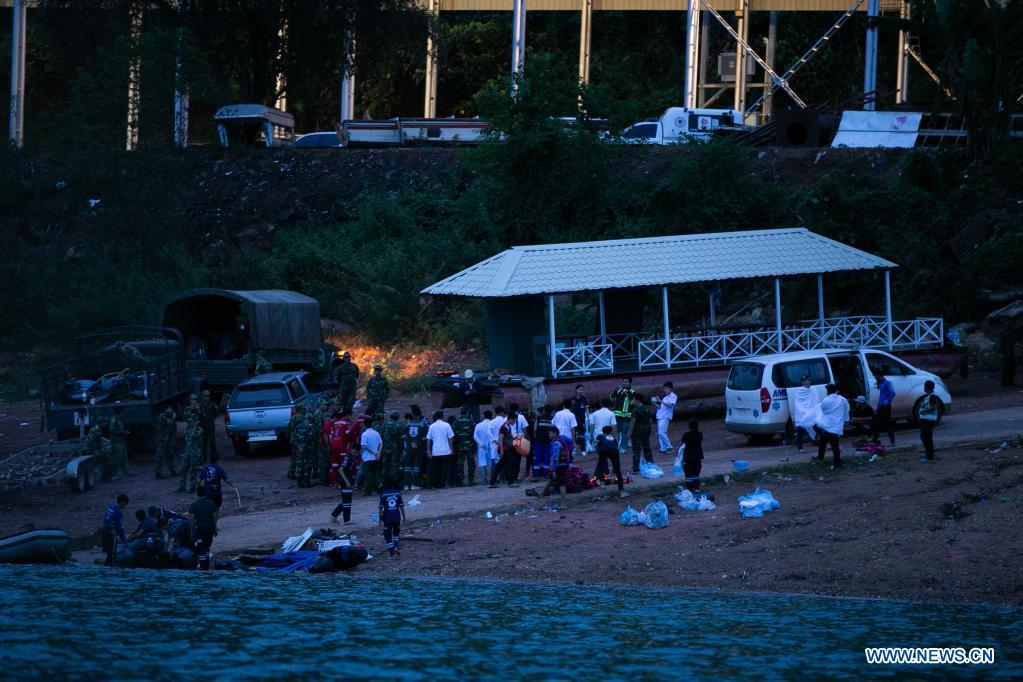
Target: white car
759, 390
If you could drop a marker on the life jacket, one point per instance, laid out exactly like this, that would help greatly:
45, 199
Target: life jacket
339, 435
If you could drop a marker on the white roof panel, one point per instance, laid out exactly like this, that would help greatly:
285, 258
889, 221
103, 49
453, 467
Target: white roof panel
655, 261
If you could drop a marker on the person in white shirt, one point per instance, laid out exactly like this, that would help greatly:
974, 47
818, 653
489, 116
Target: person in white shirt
439, 445
495, 430
804, 404
599, 419
565, 422
521, 423
665, 413
370, 443
832, 414
481, 436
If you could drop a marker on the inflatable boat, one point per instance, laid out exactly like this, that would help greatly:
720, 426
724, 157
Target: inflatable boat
36, 547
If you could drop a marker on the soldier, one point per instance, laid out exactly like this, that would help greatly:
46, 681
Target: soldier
346, 376
92, 445
208, 412
464, 446
193, 406
131, 357
118, 443
306, 435
263, 365
320, 464
414, 450
166, 434
377, 392
392, 433
192, 453
296, 419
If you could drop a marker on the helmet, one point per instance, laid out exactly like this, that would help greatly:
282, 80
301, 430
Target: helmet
468, 374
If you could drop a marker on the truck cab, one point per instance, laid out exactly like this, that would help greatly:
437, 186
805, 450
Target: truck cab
679, 125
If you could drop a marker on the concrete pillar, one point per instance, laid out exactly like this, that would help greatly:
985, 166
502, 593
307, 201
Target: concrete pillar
518, 39
777, 312
742, 15
772, 41
17, 113
430, 101
870, 54
552, 336
134, 76
888, 308
585, 32
691, 82
667, 326
902, 65
348, 81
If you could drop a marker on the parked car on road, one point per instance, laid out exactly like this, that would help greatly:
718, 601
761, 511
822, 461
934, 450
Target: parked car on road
260, 409
759, 390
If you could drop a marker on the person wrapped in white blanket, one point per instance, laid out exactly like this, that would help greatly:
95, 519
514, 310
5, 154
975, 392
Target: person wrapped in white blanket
832, 414
805, 403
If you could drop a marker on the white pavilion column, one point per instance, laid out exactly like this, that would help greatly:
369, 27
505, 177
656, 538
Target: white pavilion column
777, 312
888, 308
713, 312
691, 84
820, 301
17, 113
551, 332
603, 321
870, 54
667, 326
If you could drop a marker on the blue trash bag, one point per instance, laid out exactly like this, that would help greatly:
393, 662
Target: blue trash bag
631, 517
754, 505
676, 467
649, 469
656, 515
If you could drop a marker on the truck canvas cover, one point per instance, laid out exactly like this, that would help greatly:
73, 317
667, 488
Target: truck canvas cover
278, 319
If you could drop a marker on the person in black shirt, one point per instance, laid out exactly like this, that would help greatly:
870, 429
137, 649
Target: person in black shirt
392, 514
578, 405
692, 455
470, 394
204, 526
607, 451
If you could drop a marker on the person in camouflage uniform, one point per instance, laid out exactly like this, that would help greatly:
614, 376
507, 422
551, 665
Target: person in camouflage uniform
92, 445
166, 434
263, 365
465, 446
320, 462
414, 447
131, 357
296, 419
191, 455
208, 412
377, 392
306, 435
392, 433
118, 443
346, 376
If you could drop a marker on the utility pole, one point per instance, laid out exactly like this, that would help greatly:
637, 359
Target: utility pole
870, 56
17, 117
430, 104
518, 41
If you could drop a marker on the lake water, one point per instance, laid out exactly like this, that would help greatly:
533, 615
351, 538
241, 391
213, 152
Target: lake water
93, 623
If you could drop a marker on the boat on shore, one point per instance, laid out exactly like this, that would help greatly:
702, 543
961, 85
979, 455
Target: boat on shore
43, 546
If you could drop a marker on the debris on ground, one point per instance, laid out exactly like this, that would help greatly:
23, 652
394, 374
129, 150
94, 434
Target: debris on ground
649, 469
687, 500
656, 514
1001, 448
414, 502
754, 505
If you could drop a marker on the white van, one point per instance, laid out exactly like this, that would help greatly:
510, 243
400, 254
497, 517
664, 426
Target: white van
759, 390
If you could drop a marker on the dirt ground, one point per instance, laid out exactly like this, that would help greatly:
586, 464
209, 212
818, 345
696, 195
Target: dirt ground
892, 529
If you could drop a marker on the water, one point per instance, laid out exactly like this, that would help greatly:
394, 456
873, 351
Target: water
93, 623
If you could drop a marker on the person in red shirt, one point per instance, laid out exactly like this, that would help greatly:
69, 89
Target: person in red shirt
336, 433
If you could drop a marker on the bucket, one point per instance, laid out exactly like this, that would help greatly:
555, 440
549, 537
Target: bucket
740, 465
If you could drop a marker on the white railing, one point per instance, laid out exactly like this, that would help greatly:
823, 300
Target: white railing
841, 332
584, 358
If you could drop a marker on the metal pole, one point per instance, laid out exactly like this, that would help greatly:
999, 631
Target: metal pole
430, 104
713, 312
888, 307
742, 16
603, 322
180, 88
17, 115
691, 83
348, 81
550, 328
870, 54
585, 32
772, 41
902, 66
704, 68
777, 311
667, 327
518, 40
134, 77
820, 301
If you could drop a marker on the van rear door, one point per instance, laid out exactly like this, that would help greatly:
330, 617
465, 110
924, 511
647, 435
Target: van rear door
742, 394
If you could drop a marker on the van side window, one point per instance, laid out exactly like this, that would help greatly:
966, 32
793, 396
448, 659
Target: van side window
295, 389
887, 366
788, 374
745, 376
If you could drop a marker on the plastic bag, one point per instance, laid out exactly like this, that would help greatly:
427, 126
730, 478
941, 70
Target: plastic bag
686, 500
656, 515
754, 505
414, 502
676, 467
631, 517
649, 469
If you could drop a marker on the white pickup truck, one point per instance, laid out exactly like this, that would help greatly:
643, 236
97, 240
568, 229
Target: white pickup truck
680, 125
260, 409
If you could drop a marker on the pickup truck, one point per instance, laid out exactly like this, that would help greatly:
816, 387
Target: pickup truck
260, 409
680, 125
